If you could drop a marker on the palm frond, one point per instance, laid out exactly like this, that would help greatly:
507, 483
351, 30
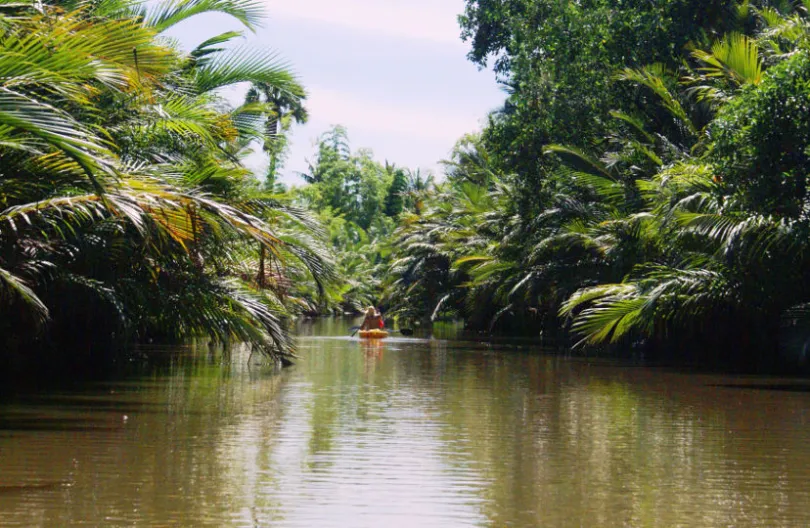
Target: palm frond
168, 13
578, 155
653, 77
734, 57
246, 65
13, 287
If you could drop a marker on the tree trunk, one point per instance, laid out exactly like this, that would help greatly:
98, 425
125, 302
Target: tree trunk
261, 278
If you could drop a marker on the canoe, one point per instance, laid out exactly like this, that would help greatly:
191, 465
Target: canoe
373, 334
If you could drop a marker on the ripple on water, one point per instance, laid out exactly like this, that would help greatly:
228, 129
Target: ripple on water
408, 433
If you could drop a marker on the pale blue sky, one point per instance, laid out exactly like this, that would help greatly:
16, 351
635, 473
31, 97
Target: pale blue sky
393, 72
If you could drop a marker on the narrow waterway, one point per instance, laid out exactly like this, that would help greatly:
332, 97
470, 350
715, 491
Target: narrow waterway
408, 432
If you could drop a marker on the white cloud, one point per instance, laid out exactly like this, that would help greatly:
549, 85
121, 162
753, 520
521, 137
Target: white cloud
335, 107
433, 20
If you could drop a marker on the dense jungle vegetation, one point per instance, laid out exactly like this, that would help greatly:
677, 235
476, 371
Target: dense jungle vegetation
644, 184
125, 211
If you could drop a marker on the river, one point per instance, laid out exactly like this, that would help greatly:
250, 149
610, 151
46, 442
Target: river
407, 432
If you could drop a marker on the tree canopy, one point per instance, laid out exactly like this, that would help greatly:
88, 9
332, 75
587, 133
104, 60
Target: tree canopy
125, 211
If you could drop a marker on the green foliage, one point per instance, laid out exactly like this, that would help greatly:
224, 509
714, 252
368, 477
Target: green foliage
395, 199
732, 226
279, 109
558, 60
359, 201
167, 14
762, 140
124, 211
645, 182
348, 184
454, 224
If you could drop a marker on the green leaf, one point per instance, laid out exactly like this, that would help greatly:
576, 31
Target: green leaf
171, 12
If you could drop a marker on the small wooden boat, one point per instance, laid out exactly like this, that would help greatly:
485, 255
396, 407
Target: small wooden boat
373, 334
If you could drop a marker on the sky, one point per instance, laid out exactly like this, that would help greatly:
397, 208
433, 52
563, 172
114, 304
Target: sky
393, 72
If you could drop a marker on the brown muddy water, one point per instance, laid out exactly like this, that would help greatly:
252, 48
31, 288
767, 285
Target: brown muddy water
408, 432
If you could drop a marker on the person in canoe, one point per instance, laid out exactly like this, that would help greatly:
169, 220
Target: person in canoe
373, 320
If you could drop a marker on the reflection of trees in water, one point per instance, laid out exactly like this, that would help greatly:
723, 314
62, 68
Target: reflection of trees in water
542, 440
187, 446
565, 443
326, 326
561, 442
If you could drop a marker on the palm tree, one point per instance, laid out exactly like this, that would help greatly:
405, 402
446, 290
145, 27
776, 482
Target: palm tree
122, 191
731, 260
416, 188
281, 108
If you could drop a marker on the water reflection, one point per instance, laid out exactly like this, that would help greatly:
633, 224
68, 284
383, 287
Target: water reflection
408, 432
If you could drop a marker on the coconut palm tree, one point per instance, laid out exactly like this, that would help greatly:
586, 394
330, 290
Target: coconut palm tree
282, 108
734, 239
122, 190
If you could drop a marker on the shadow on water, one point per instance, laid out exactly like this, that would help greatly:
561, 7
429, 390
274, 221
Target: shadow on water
104, 403
779, 387
44, 425
29, 488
